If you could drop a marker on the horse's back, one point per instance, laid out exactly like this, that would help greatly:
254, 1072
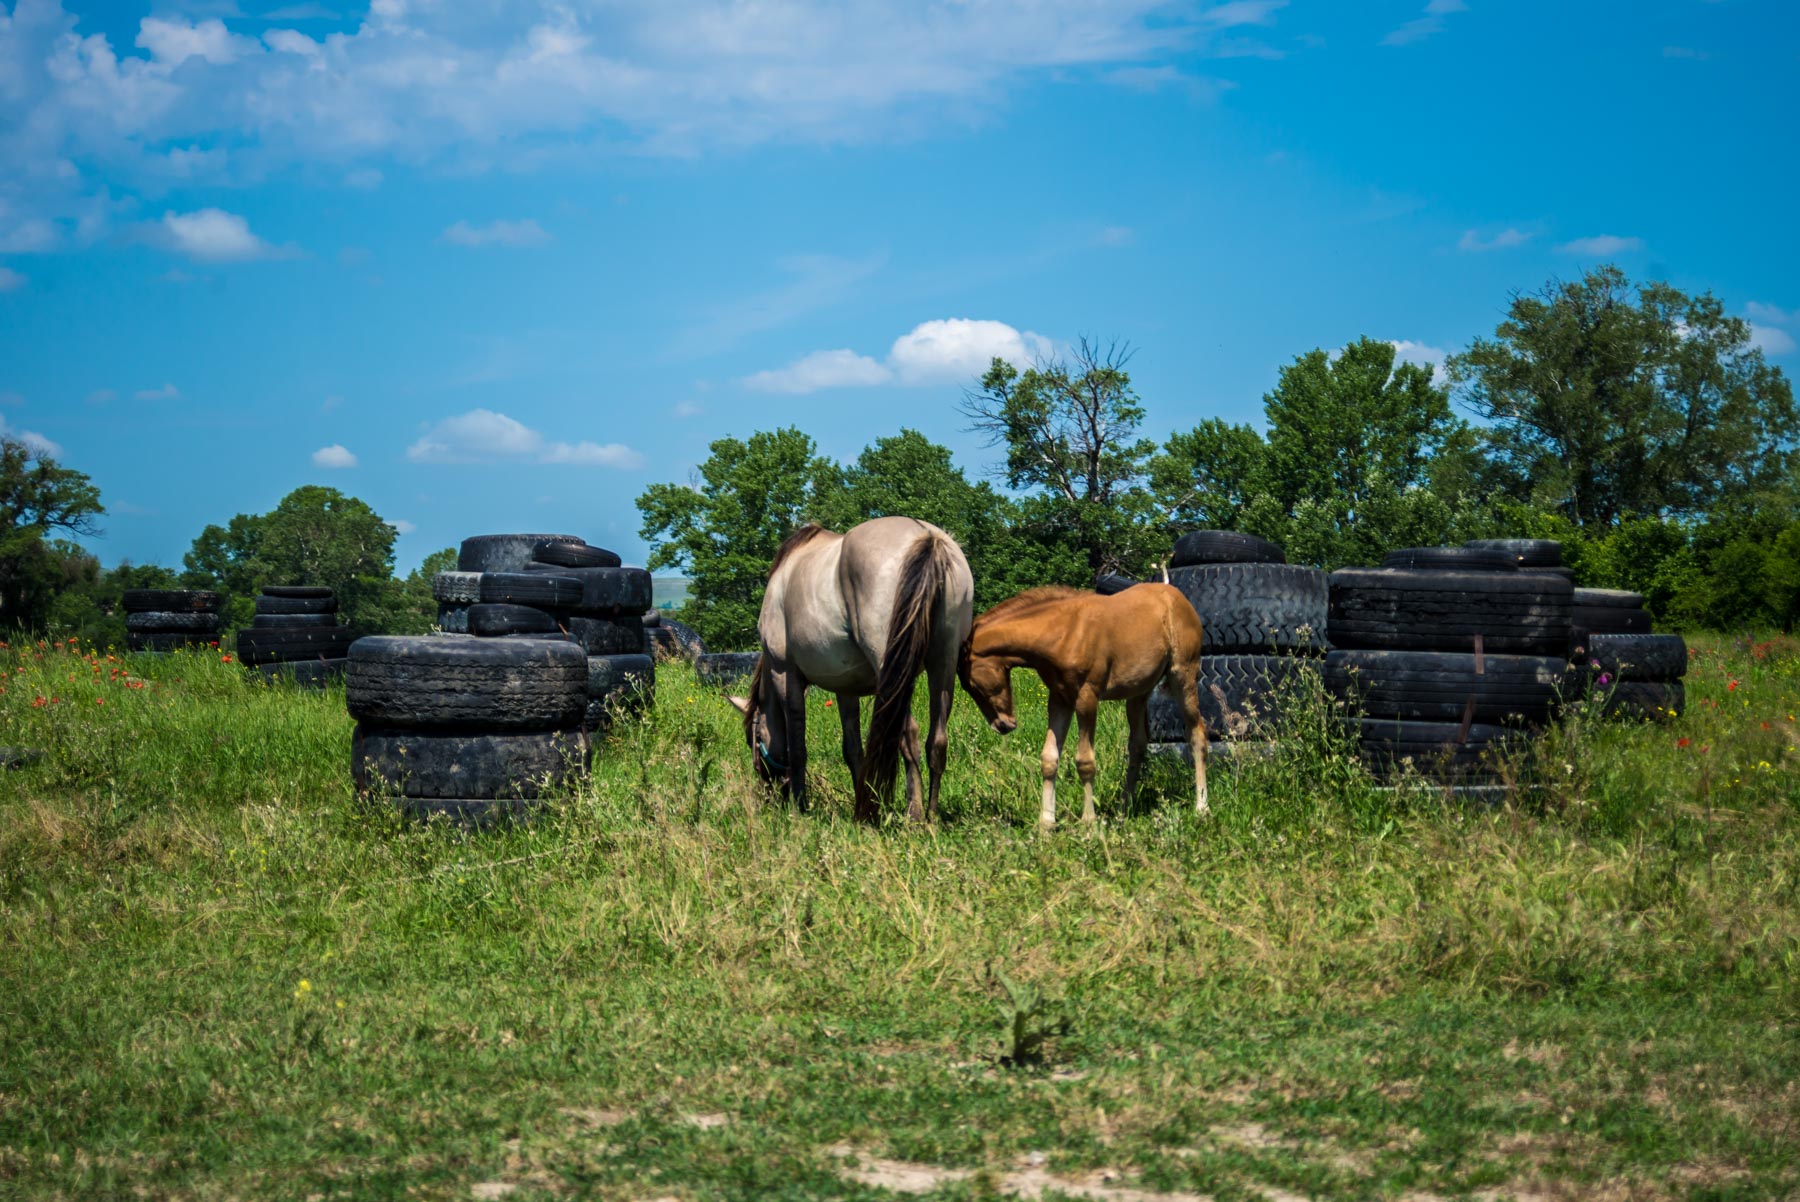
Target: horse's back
875, 558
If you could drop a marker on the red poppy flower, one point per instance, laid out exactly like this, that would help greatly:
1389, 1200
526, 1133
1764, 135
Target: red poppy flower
1731, 686
1681, 742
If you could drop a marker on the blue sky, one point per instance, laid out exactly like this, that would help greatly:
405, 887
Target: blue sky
499, 265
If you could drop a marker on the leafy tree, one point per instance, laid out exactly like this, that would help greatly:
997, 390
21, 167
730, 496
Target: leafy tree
1070, 433
1206, 478
38, 497
1609, 400
723, 530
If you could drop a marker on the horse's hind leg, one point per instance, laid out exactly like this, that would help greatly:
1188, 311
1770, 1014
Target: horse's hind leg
1137, 710
937, 741
1197, 738
1087, 710
910, 751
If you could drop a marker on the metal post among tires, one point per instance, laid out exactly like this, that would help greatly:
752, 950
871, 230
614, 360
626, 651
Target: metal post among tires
542, 649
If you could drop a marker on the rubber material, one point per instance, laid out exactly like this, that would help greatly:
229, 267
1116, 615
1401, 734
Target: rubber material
1515, 613
1438, 686
166, 622
172, 600
1458, 559
1647, 700
1527, 552
1609, 619
497, 619
492, 684
274, 645
458, 588
503, 552
1112, 583
1256, 608
154, 641
725, 668
608, 636
295, 590
1223, 546
265, 621
435, 763
296, 605
671, 639
306, 674
618, 685
1639, 656
535, 589
1608, 598
604, 591
1251, 686
1438, 750
574, 555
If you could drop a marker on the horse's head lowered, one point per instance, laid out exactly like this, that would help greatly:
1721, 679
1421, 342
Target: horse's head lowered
988, 679
768, 753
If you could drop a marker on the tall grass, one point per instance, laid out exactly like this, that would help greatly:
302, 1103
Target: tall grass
225, 976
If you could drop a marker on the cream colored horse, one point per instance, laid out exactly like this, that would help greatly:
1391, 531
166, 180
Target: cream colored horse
860, 614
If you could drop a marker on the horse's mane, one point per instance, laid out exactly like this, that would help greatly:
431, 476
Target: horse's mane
1031, 599
759, 678
794, 542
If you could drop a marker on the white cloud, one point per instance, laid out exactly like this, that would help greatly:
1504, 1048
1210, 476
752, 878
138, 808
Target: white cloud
215, 236
333, 456
1420, 28
34, 442
1601, 245
1770, 315
1242, 12
167, 392
497, 233
945, 351
958, 350
1509, 237
171, 42
402, 526
687, 409
821, 369
1423, 355
483, 436
10, 279
1771, 341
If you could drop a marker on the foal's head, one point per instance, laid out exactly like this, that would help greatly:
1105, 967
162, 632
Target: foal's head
988, 679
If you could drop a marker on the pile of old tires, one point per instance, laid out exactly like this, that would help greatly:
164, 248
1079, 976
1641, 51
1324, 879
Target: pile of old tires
295, 635
1263, 620
1447, 654
470, 729
1628, 671
165, 619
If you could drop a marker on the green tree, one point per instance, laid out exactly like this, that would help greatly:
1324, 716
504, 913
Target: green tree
1070, 433
1611, 401
1206, 478
723, 529
38, 498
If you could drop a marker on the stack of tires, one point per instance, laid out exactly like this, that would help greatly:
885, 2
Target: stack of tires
670, 639
725, 669
1447, 653
1262, 623
1529, 554
167, 619
474, 730
557, 587
1630, 671
295, 635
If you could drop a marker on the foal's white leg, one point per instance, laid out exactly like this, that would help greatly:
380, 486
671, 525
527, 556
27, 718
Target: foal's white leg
1053, 745
1087, 711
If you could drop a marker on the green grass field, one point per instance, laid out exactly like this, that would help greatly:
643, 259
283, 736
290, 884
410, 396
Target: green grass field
224, 977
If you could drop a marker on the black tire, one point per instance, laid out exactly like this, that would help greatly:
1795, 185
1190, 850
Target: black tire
1110, 583
1526, 552
268, 621
604, 591
170, 600
1645, 700
1438, 750
492, 684
608, 636
574, 555
1455, 559
295, 590
1437, 686
282, 643
453, 619
1251, 686
1611, 619
166, 622
1566, 573
503, 552
154, 641
1515, 613
539, 590
725, 668
649, 618
297, 605
1222, 546
672, 639
618, 686
1256, 608
1608, 598
493, 619
306, 674
1639, 656
436, 763
457, 588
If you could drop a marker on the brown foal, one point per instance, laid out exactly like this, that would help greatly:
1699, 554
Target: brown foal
1090, 648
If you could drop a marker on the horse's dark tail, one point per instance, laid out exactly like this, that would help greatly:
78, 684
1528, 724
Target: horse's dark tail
922, 579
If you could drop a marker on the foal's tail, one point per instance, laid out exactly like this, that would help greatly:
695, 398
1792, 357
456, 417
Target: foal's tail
922, 579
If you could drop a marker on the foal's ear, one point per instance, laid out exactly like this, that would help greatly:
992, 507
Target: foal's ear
742, 703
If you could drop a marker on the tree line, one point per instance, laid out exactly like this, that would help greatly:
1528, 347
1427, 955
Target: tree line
1635, 423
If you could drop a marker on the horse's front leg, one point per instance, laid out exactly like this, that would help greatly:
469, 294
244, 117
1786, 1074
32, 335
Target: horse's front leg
1087, 709
910, 753
790, 695
1137, 720
1053, 746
